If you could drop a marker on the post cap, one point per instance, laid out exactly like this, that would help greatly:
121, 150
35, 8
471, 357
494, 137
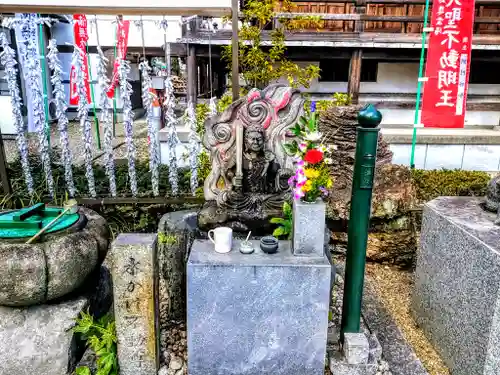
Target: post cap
369, 117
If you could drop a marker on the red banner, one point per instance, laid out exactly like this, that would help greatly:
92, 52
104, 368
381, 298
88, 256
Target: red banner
81, 39
121, 52
448, 63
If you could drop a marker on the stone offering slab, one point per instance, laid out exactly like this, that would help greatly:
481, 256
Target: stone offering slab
457, 285
258, 313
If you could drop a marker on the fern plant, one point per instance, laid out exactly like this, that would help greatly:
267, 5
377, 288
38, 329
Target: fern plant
101, 337
284, 229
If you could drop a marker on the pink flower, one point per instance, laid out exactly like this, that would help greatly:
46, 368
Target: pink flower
302, 146
298, 193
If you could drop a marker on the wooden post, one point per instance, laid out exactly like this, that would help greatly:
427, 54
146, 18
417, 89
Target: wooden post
355, 75
235, 46
192, 73
4, 177
357, 56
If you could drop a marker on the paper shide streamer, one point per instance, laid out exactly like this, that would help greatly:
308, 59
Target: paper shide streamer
194, 146
106, 119
128, 121
83, 115
172, 138
8, 60
212, 107
154, 158
33, 78
61, 107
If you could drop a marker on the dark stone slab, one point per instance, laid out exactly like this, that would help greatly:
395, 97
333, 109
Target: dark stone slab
457, 284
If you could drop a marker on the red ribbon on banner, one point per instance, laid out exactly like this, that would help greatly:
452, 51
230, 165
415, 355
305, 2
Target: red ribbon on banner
121, 52
448, 64
81, 38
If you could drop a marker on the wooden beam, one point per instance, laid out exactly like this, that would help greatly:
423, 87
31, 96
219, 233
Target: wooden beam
396, 2
212, 8
355, 75
373, 17
192, 74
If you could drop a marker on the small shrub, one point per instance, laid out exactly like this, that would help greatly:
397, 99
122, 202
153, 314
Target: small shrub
436, 183
101, 338
284, 229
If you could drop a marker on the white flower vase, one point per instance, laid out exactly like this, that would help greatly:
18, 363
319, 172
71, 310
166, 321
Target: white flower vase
308, 236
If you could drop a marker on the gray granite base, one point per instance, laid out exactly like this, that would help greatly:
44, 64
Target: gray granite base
457, 285
256, 314
39, 340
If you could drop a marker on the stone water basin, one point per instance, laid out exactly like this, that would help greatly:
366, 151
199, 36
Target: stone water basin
55, 265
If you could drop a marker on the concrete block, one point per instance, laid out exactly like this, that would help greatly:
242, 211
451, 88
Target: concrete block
134, 271
457, 284
356, 348
339, 366
309, 228
258, 313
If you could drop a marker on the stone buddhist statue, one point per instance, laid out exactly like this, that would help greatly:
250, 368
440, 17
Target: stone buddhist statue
248, 182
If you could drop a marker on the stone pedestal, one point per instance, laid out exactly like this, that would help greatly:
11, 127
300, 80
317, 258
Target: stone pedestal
134, 271
309, 228
38, 339
256, 314
457, 285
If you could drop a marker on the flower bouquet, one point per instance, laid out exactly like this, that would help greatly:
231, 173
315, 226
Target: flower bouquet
312, 179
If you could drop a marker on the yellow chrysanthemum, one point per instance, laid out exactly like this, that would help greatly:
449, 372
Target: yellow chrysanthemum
329, 184
307, 186
311, 173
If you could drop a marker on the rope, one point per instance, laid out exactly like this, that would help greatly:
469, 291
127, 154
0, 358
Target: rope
419, 86
92, 96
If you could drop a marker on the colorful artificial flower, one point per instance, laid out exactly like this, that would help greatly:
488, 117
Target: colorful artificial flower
313, 136
311, 173
313, 156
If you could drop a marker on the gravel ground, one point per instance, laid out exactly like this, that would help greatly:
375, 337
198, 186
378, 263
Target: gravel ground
76, 142
394, 287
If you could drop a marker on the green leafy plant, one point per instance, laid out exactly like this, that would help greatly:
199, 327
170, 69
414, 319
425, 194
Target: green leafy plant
338, 99
260, 64
167, 239
284, 229
101, 337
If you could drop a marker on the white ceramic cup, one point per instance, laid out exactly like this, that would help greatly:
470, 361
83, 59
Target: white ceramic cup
222, 239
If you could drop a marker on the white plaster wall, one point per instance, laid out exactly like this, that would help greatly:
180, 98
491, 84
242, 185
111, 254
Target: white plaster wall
466, 157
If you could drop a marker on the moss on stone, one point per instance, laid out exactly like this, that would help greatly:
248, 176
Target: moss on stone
436, 183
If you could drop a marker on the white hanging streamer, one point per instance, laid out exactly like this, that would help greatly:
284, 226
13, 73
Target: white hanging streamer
33, 77
212, 107
128, 120
61, 107
194, 146
172, 138
8, 60
106, 119
154, 158
83, 115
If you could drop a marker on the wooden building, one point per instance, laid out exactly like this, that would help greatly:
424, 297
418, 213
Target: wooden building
370, 49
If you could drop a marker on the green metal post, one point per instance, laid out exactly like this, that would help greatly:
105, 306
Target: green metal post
364, 170
44, 81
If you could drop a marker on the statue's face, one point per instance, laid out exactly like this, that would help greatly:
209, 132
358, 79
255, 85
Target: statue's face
254, 141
